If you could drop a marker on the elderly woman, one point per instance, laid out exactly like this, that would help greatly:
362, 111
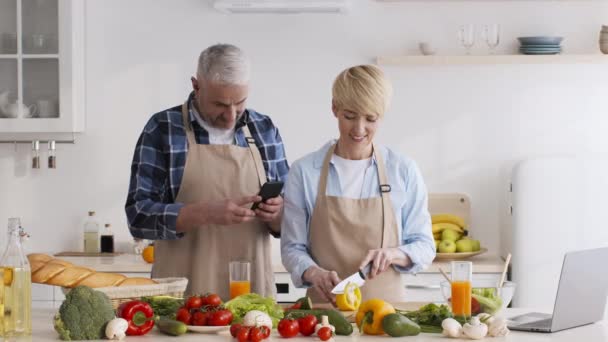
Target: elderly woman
353, 202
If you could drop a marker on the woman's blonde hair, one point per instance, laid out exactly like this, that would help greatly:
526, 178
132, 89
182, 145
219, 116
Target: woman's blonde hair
362, 89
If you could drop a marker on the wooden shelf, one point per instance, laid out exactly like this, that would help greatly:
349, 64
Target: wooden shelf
491, 59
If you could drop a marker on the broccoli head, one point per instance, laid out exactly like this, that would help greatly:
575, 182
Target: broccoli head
83, 315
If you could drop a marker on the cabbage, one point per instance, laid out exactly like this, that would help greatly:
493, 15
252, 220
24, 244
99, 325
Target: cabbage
242, 304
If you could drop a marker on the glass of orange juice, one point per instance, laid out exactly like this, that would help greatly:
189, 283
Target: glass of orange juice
240, 278
462, 274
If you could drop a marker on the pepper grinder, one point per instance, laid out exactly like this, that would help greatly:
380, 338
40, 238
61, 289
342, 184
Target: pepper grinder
35, 154
52, 157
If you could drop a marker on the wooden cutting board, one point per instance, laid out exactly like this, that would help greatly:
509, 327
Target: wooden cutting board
84, 254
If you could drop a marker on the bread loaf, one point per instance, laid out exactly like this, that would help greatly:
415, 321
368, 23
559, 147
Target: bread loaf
52, 271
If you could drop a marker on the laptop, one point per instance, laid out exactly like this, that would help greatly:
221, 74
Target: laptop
581, 295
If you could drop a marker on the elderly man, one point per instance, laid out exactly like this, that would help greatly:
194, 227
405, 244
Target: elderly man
196, 170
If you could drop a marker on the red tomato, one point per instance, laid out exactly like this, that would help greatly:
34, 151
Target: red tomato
324, 333
220, 318
235, 329
307, 324
243, 334
265, 330
200, 318
183, 315
194, 302
256, 334
288, 328
212, 299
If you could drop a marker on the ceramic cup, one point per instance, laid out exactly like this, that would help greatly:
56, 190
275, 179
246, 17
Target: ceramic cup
426, 48
47, 108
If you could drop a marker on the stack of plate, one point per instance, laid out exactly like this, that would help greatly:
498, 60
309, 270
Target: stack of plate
541, 45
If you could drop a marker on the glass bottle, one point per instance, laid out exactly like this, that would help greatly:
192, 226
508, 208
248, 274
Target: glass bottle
16, 295
107, 240
52, 158
462, 274
91, 234
35, 154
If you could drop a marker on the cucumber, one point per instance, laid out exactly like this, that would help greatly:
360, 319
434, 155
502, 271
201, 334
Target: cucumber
305, 303
397, 325
343, 327
171, 327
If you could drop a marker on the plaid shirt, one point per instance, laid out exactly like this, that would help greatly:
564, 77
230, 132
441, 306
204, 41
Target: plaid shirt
160, 158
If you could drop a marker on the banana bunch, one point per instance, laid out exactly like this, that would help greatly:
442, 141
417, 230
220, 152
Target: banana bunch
442, 222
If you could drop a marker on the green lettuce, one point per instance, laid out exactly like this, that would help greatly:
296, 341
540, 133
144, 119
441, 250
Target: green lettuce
489, 301
242, 304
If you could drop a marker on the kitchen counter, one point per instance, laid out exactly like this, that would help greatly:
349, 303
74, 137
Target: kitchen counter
42, 318
131, 263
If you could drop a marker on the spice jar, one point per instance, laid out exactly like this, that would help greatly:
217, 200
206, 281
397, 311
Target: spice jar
52, 157
35, 154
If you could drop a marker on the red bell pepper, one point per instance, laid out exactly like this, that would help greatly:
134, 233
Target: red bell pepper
139, 315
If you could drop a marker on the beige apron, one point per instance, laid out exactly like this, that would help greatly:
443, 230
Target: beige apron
213, 173
343, 230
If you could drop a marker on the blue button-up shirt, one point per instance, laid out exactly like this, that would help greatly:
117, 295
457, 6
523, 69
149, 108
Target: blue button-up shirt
408, 196
160, 158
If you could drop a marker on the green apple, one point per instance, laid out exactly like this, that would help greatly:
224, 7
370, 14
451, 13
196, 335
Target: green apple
476, 245
463, 246
450, 235
447, 246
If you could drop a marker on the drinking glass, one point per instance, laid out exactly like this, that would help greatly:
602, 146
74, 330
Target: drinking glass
240, 278
462, 274
466, 33
491, 34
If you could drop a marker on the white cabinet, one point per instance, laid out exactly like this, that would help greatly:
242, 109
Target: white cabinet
424, 287
41, 66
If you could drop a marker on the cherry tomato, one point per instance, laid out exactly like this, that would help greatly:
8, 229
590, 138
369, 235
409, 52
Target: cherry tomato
211, 299
194, 302
265, 330
183, 315
307, 324
256, 334
324, 333
288, 328
200, 318
243, 334
235, 329
475, 307
220, 318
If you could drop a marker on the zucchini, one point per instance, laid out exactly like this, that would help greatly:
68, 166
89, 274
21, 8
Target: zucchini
304, 303
171, 327
343, 327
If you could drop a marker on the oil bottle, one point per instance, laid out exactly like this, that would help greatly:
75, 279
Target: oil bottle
16, 288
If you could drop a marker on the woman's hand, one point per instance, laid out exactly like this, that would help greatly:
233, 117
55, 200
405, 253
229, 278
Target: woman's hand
383, 258
322, 281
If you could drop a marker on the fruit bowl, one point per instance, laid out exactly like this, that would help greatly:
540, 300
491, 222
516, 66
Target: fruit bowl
486, 292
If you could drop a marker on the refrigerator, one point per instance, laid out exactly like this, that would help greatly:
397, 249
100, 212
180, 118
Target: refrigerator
559, 204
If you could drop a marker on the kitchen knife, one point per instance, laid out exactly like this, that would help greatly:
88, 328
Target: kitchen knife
357, 278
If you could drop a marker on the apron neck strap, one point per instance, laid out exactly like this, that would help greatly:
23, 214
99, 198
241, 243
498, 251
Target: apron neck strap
188, 124
255, 153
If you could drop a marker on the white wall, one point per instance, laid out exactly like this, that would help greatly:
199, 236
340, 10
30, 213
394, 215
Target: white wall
465, 125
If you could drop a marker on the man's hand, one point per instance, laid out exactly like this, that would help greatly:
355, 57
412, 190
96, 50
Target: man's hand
383, 258
322, 281
222, 212
271, 212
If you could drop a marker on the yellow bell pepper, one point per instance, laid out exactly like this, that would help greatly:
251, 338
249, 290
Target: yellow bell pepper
350, 300
370, 315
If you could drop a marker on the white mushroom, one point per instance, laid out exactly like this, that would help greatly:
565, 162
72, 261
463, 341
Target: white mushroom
451, 328
498, 327
116, 328
474, 329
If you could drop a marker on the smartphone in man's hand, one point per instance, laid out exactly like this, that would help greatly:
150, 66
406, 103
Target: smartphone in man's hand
268, 190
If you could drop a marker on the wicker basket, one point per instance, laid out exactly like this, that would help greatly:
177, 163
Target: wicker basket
121, 294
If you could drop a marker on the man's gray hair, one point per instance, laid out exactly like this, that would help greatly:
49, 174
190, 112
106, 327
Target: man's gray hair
224, 64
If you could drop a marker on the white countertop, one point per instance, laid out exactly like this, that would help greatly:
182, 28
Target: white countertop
131, 263
43, 331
